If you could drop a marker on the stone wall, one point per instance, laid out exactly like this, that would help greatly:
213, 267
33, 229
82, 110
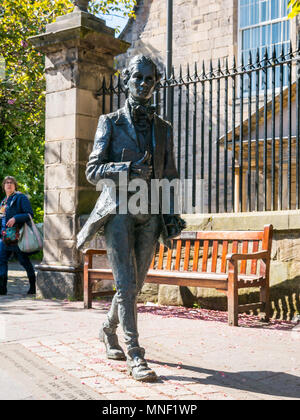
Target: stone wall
203, 30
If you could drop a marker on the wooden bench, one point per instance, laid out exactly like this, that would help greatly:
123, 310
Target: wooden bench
221, 260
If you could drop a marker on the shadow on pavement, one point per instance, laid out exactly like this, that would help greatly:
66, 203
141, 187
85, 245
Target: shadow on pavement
279, 384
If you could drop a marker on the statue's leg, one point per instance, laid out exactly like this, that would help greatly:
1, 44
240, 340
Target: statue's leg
120, 238
145, 243
147, 230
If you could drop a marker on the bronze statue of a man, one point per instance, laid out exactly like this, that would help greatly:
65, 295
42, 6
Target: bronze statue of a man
138, 144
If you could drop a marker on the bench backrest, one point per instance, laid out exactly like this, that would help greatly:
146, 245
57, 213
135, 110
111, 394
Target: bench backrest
206, 251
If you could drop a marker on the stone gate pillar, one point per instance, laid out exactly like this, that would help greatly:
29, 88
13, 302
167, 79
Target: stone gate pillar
79, 50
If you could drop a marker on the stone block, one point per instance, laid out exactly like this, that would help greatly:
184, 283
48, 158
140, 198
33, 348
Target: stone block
279, 273
68, 151
87, 103
86, 127
52, 153
175, 295
57, 227
62, 103
60, 176
149, 293
50, 251
68, 253
61, 128
59, 80
67, 201
51, 202
59, 285
294, 270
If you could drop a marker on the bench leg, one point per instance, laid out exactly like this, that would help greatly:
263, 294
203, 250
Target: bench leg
265, 299
87, 287
232, 300
87, 296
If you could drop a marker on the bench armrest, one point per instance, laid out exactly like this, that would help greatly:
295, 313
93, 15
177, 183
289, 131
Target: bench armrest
253, 256
94, 252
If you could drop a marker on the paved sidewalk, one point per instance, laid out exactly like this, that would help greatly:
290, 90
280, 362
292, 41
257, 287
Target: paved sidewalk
50, 350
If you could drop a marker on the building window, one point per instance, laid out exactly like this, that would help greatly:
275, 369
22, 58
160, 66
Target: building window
263, 24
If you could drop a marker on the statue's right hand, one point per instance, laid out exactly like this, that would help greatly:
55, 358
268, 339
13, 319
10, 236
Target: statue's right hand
142, 168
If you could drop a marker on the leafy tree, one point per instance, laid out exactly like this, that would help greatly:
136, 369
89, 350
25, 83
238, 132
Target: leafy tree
22, 87
295, 8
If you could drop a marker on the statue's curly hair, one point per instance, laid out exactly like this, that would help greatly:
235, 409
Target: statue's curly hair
136, 60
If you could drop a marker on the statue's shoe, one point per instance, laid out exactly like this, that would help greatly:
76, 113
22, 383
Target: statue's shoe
113, 349
137, 366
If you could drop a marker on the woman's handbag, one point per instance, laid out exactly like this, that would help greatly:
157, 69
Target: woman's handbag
10, 236
31, 237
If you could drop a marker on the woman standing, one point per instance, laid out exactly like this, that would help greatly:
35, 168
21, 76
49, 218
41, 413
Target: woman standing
14, 212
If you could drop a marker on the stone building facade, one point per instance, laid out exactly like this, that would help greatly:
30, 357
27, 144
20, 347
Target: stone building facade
202, 30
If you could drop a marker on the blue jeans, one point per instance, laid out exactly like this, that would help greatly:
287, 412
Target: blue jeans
5, 254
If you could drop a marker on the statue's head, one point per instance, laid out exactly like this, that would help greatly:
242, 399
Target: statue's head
141, 78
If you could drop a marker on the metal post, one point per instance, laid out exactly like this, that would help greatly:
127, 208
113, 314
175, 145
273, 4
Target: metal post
169, 55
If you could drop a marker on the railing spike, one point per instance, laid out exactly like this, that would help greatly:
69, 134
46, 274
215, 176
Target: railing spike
257, 56
226, 66
250, 59
274, 56
210, 68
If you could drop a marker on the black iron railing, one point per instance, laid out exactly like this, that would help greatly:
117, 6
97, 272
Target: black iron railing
236, 130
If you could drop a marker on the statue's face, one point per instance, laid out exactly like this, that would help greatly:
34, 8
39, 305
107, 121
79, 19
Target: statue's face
142, 82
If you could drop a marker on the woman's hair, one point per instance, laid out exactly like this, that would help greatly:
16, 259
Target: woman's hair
137, 60
10, 178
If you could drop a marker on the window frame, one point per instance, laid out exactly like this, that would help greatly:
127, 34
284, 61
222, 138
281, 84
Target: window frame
259, 25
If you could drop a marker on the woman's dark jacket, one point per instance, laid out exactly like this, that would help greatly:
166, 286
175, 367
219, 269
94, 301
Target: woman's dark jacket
19, 207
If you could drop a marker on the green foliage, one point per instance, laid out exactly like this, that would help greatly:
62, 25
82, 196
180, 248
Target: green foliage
22, 88
108, 7
295, 5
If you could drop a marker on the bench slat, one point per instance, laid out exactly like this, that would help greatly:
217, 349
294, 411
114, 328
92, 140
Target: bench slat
178, 254
187, 255
230, 236
169, 258
235, 246
214, 257
106, 274
224, 253
254, 262
205, 255
196, 255
244, 263
152, 262
161, 257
